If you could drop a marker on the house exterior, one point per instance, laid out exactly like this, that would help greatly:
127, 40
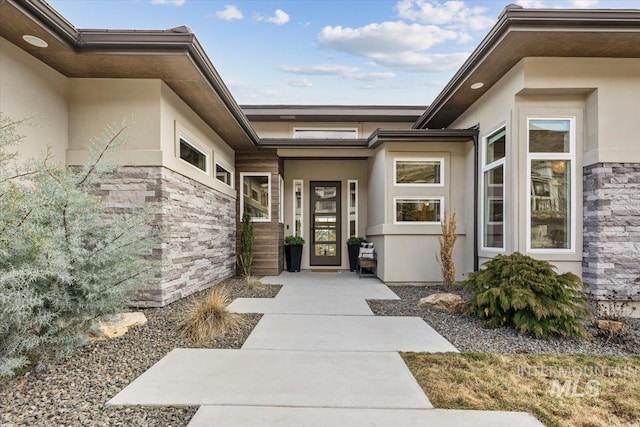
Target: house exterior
532, 144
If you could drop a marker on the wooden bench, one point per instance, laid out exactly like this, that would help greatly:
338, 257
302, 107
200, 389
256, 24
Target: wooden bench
367, 259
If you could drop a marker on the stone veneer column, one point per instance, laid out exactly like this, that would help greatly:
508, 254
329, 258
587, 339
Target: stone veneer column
611, 257
199, 225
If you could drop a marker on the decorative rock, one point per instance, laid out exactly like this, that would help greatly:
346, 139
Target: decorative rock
443, 301
610, 326
118, 325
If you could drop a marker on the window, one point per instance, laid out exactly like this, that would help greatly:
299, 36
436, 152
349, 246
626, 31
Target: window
224, 175
281, 199
192, 155
308, 133
493, 190
297, 207
256, 196
418, 172
353, 208
551, 174
417, 210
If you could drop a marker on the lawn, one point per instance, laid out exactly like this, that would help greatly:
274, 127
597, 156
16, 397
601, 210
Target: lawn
559, 390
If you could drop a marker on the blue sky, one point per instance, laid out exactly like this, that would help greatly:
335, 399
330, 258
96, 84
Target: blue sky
375, 52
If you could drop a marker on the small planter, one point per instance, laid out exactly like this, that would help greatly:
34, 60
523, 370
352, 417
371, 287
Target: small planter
353, 256
293, 256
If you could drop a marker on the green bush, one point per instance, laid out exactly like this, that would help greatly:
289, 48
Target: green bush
355, 241
529, 295
294, 240
65, 258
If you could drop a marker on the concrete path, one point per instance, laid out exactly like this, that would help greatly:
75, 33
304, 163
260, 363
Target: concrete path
318, 357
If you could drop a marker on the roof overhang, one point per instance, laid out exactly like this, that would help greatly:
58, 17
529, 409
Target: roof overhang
174, 56
381, 136
332, 113
521, 33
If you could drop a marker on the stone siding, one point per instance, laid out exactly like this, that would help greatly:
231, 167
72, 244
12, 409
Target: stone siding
611, 258
199, 228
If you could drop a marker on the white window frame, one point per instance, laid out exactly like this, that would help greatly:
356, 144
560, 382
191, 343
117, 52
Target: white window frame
293, 198
281, 199
571, 157
349, 182
485, 168
418, 159
231, 172
395, 210
330, 129
268, 175
189, 141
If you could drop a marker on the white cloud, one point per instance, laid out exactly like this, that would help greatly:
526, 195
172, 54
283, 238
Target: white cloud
531, 4
421, 61
583, 4
280, 17
247, 92
169, 2
453, 14
301, 82
230, 13
344, 71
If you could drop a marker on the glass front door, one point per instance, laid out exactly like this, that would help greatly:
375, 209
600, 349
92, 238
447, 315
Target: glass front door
325, 223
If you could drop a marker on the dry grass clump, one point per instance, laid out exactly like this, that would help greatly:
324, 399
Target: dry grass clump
447, 240
210, 318
254, 282
598, 390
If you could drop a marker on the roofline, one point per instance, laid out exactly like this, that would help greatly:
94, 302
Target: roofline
179, 39
313, 143
380, 136
515, 16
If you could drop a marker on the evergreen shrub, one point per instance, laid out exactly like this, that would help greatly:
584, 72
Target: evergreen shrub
528, 295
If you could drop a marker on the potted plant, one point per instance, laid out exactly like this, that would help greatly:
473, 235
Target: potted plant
353, 246
293, 252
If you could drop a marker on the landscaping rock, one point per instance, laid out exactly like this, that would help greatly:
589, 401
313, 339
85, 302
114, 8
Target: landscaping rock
610, 326
444, 301
117, 325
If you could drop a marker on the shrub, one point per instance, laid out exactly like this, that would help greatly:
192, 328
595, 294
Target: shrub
245, 251
65, 259
447, 240
210, 318
294, 240
528, 295
254, 282
355, 241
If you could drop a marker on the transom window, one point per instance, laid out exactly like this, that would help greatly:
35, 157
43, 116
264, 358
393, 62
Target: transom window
418, 210
418, 172
493, 190
224, 175
550, 184
256, 195
193, 155
318, 133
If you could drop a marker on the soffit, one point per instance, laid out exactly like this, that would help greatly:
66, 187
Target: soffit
332, 113
167, 55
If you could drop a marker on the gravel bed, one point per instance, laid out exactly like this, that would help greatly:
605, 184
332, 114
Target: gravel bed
466, 333
74, 391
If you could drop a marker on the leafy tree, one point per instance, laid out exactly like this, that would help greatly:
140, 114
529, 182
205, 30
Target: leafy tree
65, 259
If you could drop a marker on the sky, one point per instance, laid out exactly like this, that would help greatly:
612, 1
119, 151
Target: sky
349, 52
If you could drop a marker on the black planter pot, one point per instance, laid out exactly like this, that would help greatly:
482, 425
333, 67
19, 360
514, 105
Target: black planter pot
293, 255
354, 250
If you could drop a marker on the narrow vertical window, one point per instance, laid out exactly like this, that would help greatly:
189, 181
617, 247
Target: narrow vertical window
353, 208
281, 199
297, 206
493, 190
550, 182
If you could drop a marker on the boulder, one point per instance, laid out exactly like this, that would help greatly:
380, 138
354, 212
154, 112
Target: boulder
443, 301
610, 326
116, 326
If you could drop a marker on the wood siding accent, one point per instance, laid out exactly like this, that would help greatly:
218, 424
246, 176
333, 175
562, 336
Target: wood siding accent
268, 245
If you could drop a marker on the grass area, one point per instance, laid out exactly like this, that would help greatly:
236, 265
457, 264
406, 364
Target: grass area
559, 390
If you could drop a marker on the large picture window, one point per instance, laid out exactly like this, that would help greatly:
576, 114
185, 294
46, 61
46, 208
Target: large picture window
493, 190
256, 196
418, 210
418, 172
550, 182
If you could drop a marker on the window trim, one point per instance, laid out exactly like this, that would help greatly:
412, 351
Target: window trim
483, 170
349, 182
189, 141
418, 159
571, 158
395, 210
229, 170
301, 182
315, 128
268, 175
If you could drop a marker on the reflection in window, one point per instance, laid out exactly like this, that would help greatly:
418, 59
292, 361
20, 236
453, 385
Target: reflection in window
223, 175
353, 208
256, 195
418, 210
551, 161
297, 207
493, 190
281, 199
190, 154
418, 171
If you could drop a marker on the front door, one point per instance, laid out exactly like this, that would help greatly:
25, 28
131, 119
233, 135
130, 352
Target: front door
325, 223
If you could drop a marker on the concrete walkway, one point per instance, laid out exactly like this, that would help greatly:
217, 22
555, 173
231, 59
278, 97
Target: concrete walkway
318, 357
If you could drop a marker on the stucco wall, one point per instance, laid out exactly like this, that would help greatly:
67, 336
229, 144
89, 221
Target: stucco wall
29, 88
